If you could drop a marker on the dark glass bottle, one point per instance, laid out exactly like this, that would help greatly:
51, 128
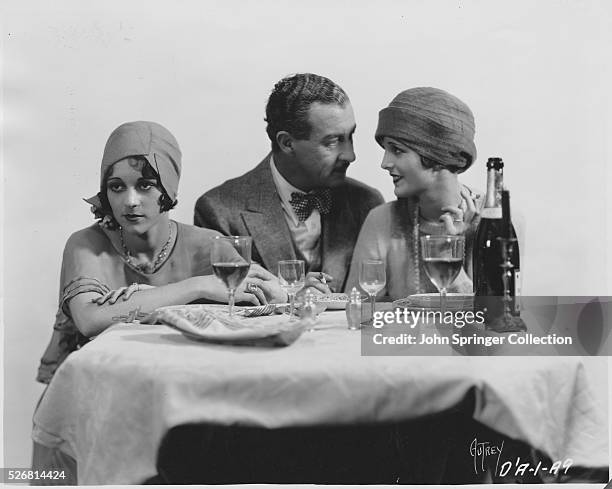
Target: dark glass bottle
487, 255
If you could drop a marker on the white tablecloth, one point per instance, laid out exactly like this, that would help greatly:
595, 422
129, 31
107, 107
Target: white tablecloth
111, 402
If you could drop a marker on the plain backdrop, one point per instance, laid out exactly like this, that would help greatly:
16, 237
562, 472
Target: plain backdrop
535, 74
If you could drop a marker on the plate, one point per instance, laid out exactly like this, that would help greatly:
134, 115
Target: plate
454, 302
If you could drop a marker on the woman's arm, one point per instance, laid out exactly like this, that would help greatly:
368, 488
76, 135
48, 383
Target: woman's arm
92, 318
87, 273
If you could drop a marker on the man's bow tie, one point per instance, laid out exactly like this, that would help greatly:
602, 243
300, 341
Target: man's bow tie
303, 204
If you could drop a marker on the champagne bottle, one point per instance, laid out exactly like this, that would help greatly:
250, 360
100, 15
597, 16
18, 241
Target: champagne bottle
487, 256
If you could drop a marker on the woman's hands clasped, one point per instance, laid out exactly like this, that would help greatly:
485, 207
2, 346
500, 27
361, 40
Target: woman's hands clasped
262, 286
457, 219
266, 287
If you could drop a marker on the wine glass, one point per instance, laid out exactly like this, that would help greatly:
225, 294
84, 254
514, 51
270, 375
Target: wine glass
372, 279
292, 278
231, 260
443, 259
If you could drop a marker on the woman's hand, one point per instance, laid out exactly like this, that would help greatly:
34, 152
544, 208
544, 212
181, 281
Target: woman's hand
247, 291
458, 219
262, 279
113, 296
211, 288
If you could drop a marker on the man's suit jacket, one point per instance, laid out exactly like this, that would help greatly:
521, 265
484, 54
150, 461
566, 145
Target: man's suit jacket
250, 205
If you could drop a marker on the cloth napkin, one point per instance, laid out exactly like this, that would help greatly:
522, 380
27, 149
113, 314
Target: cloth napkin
212, 323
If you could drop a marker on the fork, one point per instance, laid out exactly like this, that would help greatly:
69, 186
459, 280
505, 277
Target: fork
264, 310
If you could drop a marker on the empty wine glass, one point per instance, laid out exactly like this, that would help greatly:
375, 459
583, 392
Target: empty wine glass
231, 260
443, 259
372, 279
292, 278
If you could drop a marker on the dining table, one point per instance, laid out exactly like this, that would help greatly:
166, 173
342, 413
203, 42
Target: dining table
120, 405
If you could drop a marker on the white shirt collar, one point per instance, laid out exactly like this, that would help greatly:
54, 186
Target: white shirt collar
285, 189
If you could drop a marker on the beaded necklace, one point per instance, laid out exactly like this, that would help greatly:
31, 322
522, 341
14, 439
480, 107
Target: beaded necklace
415, 249
147, 268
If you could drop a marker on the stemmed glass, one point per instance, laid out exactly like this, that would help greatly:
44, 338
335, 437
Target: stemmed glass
443, 259
231, 260
372, 279
292, 278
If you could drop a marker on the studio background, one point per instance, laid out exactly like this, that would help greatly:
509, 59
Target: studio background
535, 74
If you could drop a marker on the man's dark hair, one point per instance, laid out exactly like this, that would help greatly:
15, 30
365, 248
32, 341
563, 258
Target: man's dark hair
165, 202
287, 107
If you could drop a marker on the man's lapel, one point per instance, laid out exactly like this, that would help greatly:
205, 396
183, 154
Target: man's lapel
338, 238
265, 220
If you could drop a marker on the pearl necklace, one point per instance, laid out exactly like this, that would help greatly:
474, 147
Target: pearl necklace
145, 267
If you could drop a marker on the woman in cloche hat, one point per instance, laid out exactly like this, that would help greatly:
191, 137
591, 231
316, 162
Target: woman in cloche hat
136, 258
428, 138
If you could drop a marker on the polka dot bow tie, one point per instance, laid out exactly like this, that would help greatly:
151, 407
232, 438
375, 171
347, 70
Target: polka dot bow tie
304, 204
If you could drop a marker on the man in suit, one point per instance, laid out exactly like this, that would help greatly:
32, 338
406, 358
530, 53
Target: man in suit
298, 203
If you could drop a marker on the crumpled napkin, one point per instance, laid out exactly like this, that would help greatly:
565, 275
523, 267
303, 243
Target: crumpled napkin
212, 323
